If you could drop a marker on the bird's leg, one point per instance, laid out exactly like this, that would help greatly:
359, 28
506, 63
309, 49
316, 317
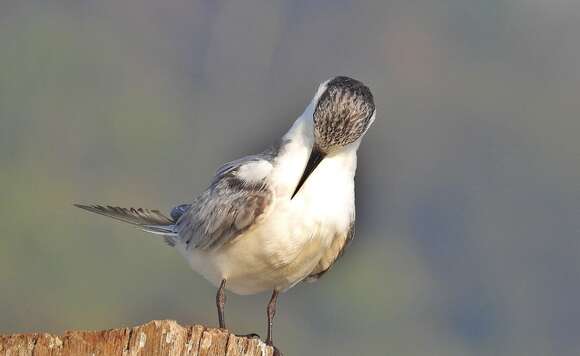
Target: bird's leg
220, 300
271, 311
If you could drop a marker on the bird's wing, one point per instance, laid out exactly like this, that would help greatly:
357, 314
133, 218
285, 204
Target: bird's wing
333, 253
237, 199
135, 216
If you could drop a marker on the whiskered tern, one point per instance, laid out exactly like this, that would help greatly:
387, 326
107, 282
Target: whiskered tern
271, 220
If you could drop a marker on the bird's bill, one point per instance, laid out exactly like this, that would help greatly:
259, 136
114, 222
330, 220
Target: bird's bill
316, 156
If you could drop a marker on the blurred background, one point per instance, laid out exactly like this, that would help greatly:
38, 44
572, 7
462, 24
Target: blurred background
468, 188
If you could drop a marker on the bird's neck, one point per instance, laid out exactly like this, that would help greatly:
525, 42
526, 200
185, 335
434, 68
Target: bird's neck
295, 149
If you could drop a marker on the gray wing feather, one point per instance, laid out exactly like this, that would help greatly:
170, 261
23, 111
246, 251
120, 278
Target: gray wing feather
227, 209
146, 219
135, 216
179, 210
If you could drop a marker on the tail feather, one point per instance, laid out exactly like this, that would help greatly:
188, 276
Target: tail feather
148, 220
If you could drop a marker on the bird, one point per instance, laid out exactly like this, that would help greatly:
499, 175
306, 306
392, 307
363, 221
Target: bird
271, 220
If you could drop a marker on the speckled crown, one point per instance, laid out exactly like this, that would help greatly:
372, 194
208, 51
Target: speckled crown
343, 113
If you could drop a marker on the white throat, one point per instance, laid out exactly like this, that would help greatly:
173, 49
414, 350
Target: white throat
296, 146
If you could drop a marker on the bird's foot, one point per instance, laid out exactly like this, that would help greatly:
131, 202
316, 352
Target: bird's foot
249, 336
277, 351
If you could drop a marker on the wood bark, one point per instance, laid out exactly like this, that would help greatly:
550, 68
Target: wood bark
158, 337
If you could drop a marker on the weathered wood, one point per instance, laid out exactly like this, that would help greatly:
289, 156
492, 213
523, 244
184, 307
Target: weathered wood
158, 337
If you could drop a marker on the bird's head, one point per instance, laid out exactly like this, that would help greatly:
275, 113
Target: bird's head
343, 110
342, 114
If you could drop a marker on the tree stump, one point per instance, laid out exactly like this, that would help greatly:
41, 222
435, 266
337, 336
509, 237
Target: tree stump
158, 337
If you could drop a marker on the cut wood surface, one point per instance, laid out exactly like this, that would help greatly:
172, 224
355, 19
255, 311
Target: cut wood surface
158, 337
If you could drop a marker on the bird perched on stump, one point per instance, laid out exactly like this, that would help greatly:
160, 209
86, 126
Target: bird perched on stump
273, 219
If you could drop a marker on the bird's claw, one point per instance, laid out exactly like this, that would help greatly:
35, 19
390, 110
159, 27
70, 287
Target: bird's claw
250, 336
277, 352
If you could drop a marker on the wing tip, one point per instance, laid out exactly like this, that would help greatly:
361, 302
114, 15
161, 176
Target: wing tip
84, 206
143, 216
95, 208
